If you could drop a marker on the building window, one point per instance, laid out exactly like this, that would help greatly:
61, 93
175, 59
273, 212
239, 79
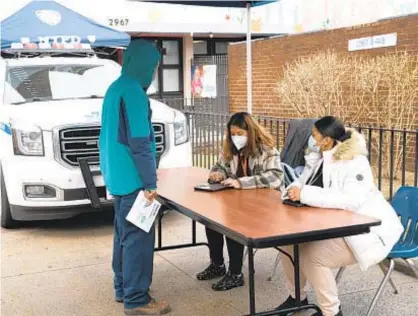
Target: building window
170, 72
171, 55
200, 47
211, 46
171, 82
221, 48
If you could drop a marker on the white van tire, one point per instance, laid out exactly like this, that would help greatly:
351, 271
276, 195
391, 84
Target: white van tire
6, 217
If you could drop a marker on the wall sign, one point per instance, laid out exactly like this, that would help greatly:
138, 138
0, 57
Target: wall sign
378, 41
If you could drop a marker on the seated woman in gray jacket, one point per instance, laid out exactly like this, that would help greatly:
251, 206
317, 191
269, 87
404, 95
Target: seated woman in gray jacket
340, 177
249, 161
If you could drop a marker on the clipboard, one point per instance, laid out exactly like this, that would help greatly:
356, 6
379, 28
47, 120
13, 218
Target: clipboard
211, 187
293, 203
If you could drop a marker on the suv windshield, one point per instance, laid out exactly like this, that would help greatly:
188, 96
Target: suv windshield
57, 82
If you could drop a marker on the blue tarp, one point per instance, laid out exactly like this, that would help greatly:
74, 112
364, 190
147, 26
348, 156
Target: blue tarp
43, 21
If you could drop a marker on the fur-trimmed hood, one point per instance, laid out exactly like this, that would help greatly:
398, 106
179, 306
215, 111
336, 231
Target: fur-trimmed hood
351, 148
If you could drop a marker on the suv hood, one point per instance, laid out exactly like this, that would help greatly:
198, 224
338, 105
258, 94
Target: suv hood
50, 114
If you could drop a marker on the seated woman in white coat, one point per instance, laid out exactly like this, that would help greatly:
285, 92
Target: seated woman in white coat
338, 176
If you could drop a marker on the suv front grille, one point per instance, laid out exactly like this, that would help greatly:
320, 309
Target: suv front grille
83, 142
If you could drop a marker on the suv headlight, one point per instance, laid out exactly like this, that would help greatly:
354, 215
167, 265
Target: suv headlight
28, 141
181, 129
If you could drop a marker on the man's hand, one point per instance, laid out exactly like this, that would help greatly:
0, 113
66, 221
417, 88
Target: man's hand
150, 195
232, 183
216, 177
294, 193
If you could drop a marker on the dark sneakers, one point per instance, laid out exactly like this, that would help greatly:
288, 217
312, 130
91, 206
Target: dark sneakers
211, 272
290, 303
228, 282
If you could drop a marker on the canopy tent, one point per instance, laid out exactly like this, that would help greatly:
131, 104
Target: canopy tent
45, 24
233, 4
225, 4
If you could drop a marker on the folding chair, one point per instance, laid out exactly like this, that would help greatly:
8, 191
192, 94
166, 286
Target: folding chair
276, 262
405, 203
297, 136
290, 174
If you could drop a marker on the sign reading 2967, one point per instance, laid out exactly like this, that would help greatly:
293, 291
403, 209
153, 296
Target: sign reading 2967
118, 22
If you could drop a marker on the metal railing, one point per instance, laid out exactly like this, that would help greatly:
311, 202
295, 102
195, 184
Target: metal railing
393, 153
212, 105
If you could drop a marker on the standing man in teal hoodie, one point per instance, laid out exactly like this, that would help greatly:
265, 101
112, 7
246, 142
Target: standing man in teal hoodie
128, 164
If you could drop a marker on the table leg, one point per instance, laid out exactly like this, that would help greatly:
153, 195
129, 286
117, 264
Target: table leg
297, 273
160, 230
160, 246
251, 272
194, 232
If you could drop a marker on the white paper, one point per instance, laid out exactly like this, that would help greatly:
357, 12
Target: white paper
143, 213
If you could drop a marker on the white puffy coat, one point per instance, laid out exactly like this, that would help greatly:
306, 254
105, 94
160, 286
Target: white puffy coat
349, 185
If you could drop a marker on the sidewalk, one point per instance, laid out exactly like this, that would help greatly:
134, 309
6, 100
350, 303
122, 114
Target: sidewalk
63, 268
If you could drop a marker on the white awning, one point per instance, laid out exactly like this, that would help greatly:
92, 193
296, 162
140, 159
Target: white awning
143, 17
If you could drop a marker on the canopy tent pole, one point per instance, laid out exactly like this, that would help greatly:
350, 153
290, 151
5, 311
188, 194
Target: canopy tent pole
249, 62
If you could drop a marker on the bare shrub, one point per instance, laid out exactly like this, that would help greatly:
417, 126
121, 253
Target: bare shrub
380, 91
313, 86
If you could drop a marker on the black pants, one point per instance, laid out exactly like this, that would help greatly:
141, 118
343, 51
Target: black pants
235, 250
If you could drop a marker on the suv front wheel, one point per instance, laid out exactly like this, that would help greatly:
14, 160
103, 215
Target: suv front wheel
6, 217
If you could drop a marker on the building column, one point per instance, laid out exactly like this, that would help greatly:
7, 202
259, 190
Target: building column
187, 67
120, 56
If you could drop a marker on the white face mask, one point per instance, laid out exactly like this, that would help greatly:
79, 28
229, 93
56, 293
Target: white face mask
313, 146
239, 141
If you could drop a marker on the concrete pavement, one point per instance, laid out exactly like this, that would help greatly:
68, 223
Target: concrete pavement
62, 268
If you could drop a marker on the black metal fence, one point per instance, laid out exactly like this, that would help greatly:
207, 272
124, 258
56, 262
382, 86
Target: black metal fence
393, 153
215, 105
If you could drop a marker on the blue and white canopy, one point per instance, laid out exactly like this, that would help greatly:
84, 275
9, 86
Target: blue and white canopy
45, 24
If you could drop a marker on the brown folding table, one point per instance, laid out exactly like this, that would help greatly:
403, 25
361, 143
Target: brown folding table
254, 218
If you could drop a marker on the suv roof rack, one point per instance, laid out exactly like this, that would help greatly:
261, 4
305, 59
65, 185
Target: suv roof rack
18, 53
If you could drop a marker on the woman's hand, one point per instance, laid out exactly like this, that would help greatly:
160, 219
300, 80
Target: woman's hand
294, 194
216, 177
232, 183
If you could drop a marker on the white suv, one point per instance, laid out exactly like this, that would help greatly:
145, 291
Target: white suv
50, 111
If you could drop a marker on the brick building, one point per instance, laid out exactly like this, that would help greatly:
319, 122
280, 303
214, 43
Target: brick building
270, 55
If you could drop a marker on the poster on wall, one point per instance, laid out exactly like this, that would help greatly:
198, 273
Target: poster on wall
204, 81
